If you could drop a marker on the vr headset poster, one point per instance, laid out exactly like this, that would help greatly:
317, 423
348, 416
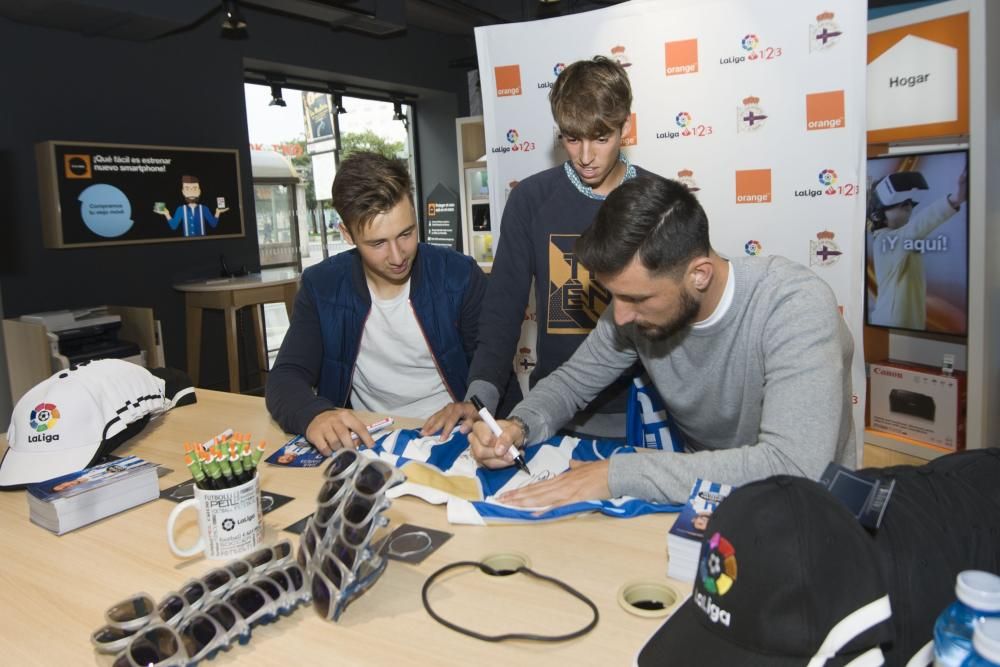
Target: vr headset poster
916, 240
101, 194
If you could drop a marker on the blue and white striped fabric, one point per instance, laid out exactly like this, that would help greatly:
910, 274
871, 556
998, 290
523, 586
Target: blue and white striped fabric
647, 423
447, 473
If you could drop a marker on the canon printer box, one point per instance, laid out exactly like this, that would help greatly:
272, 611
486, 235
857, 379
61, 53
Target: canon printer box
918, 402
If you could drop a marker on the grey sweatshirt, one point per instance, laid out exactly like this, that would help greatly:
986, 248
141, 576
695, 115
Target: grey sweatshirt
765, 390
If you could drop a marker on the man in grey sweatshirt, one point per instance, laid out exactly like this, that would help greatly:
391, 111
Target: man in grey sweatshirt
750, 355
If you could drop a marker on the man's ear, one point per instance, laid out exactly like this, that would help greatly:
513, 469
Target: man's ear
346, 233
700, 272
627, 125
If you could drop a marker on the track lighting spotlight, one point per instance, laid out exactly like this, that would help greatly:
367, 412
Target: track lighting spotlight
234, 26
276, 99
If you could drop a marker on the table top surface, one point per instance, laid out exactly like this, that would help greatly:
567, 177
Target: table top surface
55, 589
267, 277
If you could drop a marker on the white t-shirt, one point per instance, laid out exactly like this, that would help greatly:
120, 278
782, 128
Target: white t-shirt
395, 371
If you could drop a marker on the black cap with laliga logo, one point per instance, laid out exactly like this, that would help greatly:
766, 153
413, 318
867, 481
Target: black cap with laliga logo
786, 576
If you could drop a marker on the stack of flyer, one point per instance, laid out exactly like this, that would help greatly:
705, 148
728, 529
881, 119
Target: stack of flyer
65, 503
688, 532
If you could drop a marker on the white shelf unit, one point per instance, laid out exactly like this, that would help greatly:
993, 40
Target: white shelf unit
471, 139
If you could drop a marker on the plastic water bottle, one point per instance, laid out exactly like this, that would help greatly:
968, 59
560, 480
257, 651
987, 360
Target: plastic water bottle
978, 599
985, 644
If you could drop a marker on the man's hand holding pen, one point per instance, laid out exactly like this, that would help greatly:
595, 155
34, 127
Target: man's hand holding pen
495, 451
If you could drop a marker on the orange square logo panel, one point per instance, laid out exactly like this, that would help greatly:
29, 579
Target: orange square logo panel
753, 186
508, 78
77, 166
825, 111
681, 57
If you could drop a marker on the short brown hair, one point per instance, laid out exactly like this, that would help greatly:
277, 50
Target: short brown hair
591, 98
368, 184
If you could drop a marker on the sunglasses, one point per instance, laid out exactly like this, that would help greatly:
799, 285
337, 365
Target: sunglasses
335, 584
362, 518
375, 475
198, 638
132, 613
271, 556
342, 462
258, 601
330, 495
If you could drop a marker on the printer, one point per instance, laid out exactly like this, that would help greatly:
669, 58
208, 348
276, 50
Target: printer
82, 335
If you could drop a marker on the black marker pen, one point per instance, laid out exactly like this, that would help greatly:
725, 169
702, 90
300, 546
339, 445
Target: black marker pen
492, 423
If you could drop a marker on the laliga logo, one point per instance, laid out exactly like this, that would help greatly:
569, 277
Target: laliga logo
683, 119
717, 574
829, 180
43, 418
718, 565
688, 128
752, 51
512, 139
828, 177
556, 71
752, 247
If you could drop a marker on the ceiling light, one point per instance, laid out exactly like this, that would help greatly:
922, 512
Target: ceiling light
234, 26
276, 99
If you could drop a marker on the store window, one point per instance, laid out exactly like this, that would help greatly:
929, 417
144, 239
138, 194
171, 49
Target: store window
297, 139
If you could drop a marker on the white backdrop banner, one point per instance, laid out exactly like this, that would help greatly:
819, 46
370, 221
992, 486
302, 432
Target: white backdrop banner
757, 105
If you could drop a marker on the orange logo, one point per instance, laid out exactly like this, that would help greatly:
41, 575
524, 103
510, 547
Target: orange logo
753, 186
76, 166
630, 138
508, 80
825, 111
681, 57
431, 209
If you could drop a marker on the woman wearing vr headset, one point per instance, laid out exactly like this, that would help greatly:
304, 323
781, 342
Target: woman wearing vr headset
898, 261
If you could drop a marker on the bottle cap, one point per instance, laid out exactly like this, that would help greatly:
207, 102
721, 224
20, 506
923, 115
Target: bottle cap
979, 590
986, 639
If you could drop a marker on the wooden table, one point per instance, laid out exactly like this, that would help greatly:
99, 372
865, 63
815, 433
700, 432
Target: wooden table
229, 295
54, 590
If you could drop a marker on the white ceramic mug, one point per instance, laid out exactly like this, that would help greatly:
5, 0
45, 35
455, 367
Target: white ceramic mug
229, 521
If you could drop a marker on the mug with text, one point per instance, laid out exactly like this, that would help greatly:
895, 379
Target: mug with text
229, 521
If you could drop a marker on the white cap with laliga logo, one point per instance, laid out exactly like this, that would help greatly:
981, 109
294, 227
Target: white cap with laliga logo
64, 423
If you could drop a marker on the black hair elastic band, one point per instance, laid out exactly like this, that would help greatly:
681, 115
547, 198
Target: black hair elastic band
512, 635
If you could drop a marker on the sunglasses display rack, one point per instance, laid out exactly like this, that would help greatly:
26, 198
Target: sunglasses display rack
205, 615
340, 549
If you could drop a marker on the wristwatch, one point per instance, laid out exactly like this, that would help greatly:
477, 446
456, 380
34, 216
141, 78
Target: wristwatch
521, 425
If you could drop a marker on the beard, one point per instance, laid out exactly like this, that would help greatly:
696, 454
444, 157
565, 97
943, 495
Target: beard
192, 200
689, 307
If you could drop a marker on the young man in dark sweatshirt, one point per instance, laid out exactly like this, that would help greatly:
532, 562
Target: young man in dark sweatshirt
591, 103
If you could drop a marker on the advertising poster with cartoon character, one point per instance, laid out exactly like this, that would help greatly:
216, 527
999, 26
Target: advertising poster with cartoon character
99, 194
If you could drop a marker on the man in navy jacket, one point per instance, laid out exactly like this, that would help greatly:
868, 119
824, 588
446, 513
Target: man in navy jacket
389, 326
